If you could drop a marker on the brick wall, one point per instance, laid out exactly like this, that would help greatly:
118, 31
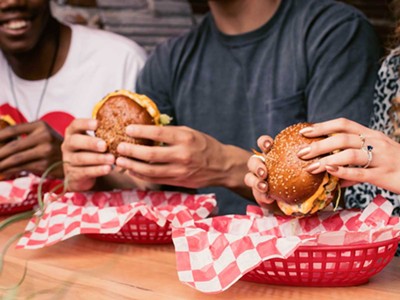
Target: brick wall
381, 13
150, 22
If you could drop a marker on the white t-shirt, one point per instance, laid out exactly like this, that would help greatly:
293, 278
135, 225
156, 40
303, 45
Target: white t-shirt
98, 63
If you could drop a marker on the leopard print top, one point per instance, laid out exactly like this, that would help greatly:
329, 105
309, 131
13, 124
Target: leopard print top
384, 119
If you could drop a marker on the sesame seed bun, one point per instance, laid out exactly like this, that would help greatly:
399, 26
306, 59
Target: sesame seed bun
118, 110
296, 191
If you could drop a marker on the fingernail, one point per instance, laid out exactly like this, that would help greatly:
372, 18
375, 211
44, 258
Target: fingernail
260, 172
304, 151
106, 169
267, 144
121, 147
313, 167
306, 130
122, 162
92, 124
331, 168
101, 145
262, 186
131, 129
109, 159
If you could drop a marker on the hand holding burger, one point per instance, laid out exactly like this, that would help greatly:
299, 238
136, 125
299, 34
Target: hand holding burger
156, 155
90, 157
30, 147
122, 108
365, 155
283, 177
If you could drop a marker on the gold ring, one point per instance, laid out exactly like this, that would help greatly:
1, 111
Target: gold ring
259, 157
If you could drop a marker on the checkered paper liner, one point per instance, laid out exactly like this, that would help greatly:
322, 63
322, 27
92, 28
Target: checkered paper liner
108, 212
16, 191
212, 254
21, 194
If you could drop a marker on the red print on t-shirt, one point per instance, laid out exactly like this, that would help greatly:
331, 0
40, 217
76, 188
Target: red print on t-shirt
58, 120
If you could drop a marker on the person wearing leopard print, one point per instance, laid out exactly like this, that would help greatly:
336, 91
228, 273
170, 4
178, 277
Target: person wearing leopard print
377, 168
384, 134
384, 119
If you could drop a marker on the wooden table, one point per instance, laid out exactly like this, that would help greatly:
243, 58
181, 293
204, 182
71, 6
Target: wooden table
83, 268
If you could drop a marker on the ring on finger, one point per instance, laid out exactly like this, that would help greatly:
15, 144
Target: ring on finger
362, 138
368, 150
261, 157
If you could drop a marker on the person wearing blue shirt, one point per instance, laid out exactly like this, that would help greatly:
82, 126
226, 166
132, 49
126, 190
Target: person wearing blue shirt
249, 68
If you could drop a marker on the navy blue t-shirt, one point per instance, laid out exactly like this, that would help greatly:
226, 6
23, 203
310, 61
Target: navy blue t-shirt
314, 60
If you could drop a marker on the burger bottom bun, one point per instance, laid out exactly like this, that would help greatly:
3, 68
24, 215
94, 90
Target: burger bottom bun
309, 208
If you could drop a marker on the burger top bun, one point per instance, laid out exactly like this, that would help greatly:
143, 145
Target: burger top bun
118, 110
3, 124
5, 121
288, 181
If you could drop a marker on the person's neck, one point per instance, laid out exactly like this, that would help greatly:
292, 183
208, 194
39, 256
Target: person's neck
35, 64
234, 17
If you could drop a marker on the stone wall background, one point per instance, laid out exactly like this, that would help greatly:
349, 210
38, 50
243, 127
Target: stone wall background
150, 22
382, 14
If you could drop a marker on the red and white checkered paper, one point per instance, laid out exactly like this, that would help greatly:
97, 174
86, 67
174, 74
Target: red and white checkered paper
17, 190
214, 253
108, 212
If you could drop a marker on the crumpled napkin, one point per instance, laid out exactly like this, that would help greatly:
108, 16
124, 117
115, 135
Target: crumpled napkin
16, 190
108, 212
214, 253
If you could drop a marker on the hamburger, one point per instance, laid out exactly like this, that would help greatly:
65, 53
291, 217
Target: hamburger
296, 191
5, 121
121, 108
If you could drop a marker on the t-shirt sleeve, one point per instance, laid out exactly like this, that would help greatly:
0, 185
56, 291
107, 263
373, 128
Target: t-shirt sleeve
343, 54
133, 65
155, 79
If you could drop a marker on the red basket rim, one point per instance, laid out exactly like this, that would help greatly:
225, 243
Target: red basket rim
348, 247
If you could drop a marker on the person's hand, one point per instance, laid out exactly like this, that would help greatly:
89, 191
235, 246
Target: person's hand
352, 161
186, 158
257, 175
34, 147
84, 156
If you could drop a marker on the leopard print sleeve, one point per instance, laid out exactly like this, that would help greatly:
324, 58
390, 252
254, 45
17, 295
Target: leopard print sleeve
386, 90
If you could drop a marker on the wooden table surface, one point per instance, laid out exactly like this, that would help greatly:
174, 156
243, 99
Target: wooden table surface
84, 268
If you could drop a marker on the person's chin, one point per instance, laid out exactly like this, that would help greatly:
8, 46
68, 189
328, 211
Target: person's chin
18, 39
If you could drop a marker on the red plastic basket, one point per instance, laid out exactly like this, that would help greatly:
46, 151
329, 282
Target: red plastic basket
139, 230
326, 266
30, 201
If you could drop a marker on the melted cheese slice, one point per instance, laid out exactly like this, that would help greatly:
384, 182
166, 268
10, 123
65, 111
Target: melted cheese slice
307, 205
142, 100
